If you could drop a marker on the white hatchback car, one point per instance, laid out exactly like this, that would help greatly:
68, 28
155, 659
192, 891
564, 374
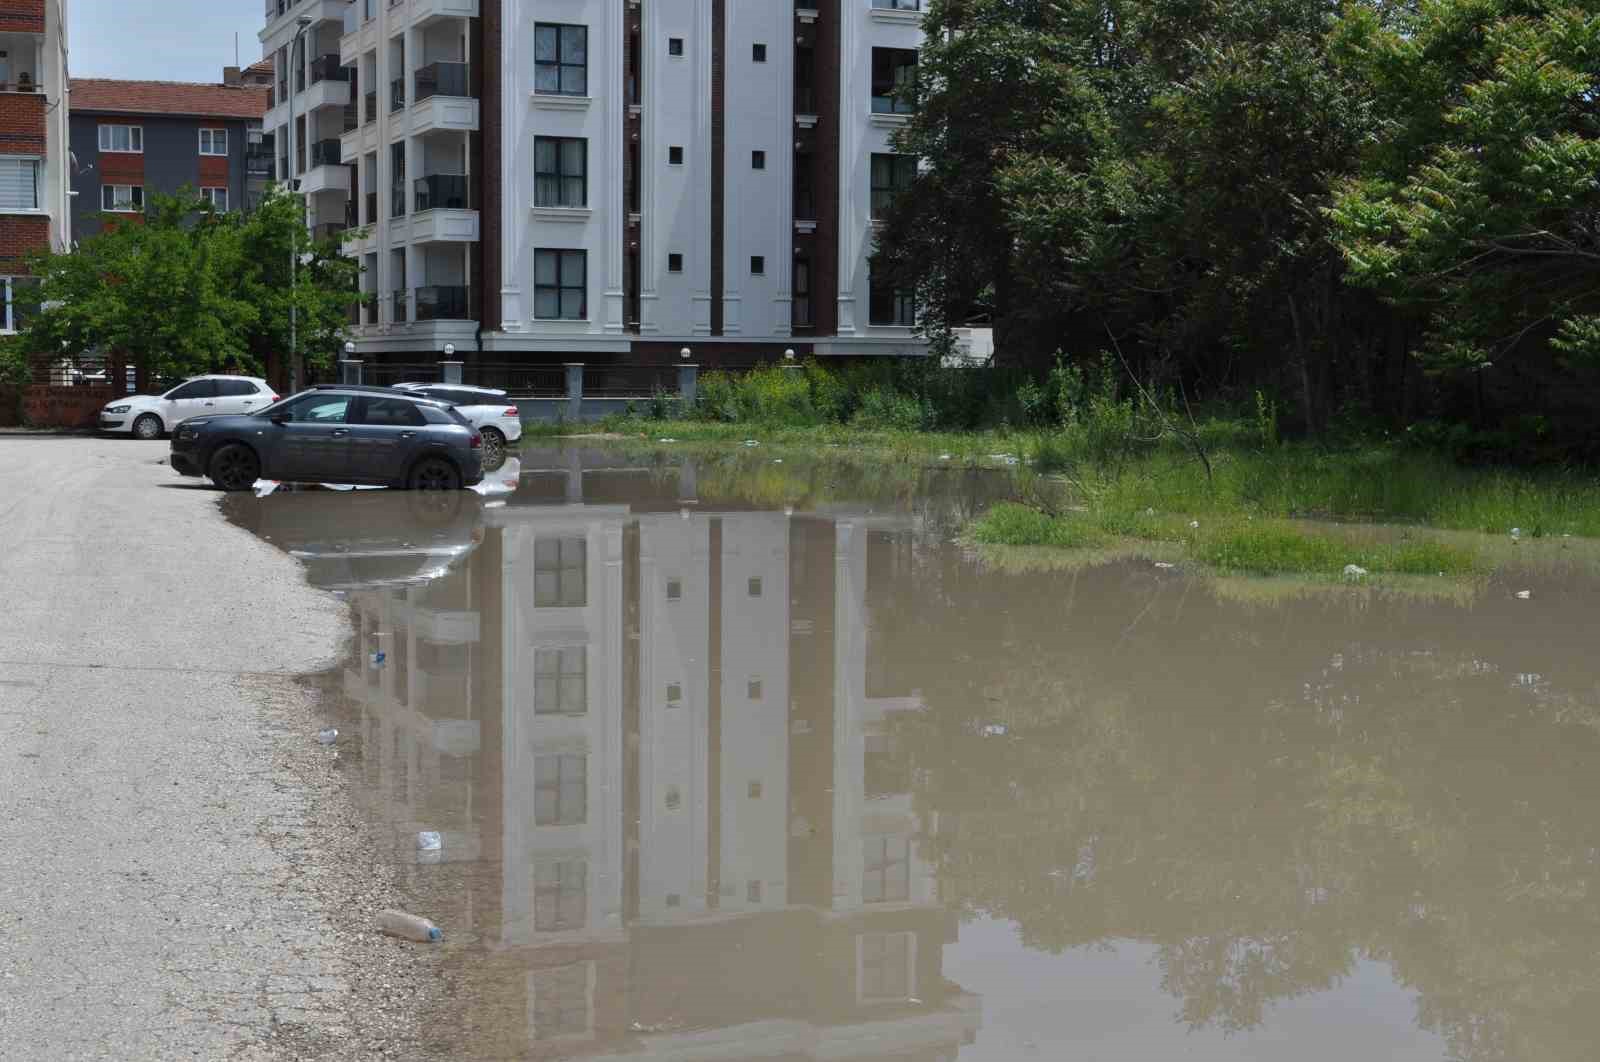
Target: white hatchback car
495, 416
150, 416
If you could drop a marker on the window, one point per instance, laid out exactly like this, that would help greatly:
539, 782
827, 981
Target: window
675, 586
217, 197
674, 695
560, 894
674, 798
891, 175
888, 305
560, 1005
235, 388
560, 59
758, 265
560, 572
674, 900
754, 790
560, 172
122, 138
122, 198
391, 413
758, 53
17, 306
675, 47
19, 184
752, 689
213, 141
674, 263
758, 160
560, 790
753, 587
561, 285
192, 389
886, 869
894, 81
800, 306
752, 892
561, 681
899, 5
675, 156
315, 409
886, 963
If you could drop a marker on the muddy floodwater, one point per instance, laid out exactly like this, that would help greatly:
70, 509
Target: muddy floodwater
730, 759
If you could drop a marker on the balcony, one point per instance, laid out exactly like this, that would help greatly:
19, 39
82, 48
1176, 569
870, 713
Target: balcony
426, 11
326, 170
330, 85
329, 230
397, 201
370, 112
443, 79
443, 191
400, 316
397, 95
442, 303
258, 164
352, 118
328, 68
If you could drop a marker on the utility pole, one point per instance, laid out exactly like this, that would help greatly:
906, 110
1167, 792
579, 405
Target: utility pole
294, 189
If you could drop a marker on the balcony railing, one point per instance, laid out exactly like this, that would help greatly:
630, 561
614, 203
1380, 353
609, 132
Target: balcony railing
328, 230
446, 191
372, 106
258, 163
400, 305
805, 99
352, 117
369, 312
397, 94
326, 153
397, 201
438, 302
443, 79
328, 68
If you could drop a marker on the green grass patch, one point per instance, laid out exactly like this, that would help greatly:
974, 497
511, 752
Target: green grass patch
1010, 524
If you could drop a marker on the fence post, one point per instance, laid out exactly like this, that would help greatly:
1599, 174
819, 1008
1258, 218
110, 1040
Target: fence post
450, 372
574, 390
688, 384
350, 371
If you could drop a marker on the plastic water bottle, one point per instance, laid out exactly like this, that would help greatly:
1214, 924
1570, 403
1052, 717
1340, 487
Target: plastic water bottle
328, 736
409, 927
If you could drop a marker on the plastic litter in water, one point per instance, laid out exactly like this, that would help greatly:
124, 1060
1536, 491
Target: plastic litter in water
751, 442
328, 736
777, 460
409, 927
1516, 532
944, 457
1354, 571
666, 440
1523, 595
1165, 566
379, 658
995, 730
1194, 525
429, 841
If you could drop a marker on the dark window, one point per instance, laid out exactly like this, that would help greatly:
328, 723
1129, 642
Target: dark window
561, 285
560, 681
758, 53
758, 265
887, 304
752, 892
891, 175
800, 312
675, 589
754, 586
235, 388
886, 966
753, 689
753, 790
675, 46
392, 413
674, 263
560, 572
560, 790
560, 59
194, 389
560, 895
674, 694
894, 81
675, 156
758, 160
560, 171
674, 798
317, 409
886, 869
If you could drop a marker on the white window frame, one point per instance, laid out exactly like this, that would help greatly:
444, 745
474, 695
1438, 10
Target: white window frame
131, 208
36, 162
108, 139
212, 195
211, 135
8, 326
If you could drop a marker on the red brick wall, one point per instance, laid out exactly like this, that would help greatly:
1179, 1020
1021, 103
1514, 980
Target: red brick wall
21, 16
64, 407
213, 171
121, 167
20, 236
22, 123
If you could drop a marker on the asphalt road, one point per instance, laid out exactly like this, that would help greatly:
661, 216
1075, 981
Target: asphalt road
181, 875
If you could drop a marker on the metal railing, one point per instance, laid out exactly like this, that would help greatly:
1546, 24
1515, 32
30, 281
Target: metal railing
327, 68
259, 163
369, 312
387, 374
441, 302
400, 306
397, 201
326, 153
446, 191
397, 94
629, 381
516, 380
443, 79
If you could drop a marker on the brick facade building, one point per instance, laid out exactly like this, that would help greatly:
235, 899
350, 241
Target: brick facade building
33, 140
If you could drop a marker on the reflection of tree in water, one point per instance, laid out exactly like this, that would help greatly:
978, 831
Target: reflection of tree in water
1266, 794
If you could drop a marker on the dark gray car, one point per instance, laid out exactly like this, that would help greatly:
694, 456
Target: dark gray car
335, 434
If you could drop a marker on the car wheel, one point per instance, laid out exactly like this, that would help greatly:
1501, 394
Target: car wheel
434, 473
235, 467
147, 426
494, 447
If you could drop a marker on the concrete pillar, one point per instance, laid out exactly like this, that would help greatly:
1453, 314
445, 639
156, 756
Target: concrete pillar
574, 492
450, 372
688, 481
350, 370
575, 391
688, 384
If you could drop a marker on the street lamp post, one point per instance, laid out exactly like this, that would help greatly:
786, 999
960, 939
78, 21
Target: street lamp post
302, 24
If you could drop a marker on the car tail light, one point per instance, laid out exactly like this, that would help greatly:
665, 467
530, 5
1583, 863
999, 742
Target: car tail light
477, 441
272, 398
511, 411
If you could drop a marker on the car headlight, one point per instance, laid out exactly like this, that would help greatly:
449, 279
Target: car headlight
118, 409
186, 431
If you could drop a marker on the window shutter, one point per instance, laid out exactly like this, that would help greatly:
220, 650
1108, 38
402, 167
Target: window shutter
18, 187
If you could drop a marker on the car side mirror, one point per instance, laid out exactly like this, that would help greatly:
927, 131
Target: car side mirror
281, 418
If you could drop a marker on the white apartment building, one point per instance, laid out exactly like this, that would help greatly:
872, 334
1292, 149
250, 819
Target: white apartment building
539, 181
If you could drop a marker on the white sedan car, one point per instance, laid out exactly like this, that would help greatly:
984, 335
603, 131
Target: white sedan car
494, 415
150, 416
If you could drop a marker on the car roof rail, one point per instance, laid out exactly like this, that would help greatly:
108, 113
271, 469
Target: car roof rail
365, 388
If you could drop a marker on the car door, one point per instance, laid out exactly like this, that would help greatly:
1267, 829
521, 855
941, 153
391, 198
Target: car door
383, 436
238, 396
193, 399
310, 439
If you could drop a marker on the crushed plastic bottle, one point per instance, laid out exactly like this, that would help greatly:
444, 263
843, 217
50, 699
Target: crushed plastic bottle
409, 927
1354, 572
429, 841
328, 736
378, 658
1523, 595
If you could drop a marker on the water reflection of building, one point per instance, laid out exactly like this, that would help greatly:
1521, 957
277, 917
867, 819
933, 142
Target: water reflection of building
667, 803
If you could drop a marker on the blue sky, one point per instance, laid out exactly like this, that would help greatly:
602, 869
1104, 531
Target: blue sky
165, 40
